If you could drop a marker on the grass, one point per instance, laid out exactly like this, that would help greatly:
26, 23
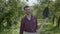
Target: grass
50, 29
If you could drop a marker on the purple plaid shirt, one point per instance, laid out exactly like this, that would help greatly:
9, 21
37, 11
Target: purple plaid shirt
28, 25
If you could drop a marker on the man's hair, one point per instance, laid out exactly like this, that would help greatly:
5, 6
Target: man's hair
26, 7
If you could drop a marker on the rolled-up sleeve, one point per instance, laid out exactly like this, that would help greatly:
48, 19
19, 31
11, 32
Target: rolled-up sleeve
22, 27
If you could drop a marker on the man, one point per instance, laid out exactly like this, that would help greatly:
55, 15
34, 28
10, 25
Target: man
28, 23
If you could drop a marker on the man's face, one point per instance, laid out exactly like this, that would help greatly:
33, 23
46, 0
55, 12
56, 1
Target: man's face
27, 10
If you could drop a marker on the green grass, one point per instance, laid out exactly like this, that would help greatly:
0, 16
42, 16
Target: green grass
50, 28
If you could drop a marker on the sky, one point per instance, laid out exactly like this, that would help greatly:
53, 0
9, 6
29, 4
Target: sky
31, 2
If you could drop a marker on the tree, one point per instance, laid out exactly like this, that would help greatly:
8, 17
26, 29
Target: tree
9, 13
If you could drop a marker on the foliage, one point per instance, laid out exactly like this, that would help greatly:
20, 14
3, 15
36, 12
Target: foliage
9, 13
